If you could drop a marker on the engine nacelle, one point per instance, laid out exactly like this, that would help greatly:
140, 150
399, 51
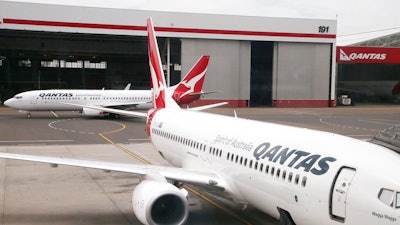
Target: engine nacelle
93, 112
157, 203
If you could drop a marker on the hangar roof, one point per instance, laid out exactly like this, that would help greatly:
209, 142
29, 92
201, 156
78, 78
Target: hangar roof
381, 38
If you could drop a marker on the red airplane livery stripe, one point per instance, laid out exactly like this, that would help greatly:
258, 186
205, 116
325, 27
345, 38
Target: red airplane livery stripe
163, 29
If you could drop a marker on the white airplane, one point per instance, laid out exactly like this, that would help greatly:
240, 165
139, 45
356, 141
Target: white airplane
296, 175
188, 90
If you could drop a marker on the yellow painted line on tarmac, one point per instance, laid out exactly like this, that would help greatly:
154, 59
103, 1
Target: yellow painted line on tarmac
124, 149
226, 210
123, 127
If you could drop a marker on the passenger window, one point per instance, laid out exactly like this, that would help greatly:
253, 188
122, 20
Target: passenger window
387, 196
290, 177
296, 180
304, 181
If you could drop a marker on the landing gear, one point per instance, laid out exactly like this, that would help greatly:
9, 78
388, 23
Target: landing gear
27, 113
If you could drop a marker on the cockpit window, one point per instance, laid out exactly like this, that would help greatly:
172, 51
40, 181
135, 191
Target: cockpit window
387, 196
398, 200
18, 97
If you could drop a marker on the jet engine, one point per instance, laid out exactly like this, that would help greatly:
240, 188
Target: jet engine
93, 112
157, 203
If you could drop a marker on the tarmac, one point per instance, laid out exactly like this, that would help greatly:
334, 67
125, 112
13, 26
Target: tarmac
36, 193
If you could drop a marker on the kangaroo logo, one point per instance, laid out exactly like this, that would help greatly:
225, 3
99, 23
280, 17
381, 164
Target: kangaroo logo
344, 56
191, 84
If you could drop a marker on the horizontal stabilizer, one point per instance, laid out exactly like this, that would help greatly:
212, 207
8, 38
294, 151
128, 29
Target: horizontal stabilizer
204, 107
203, 93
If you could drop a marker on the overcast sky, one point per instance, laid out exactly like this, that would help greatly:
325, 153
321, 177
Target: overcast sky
353, 16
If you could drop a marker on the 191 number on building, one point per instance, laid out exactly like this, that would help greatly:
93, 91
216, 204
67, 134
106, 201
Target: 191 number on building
323, 29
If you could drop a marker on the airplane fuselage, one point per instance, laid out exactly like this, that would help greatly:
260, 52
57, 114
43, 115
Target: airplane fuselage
325, 180
296, 175
53, 100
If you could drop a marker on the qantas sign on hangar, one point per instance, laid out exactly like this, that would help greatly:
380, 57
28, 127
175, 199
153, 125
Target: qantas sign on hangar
255, 61
369, 74
368, 55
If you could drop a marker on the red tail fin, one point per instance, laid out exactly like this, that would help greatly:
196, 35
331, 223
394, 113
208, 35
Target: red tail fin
160, 99
157, 75
190, 88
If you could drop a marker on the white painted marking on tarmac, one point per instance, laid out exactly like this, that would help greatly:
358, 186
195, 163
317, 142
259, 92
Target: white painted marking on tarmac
53, 126
370, 121
139, 139
322, 120
308, 113
36, 141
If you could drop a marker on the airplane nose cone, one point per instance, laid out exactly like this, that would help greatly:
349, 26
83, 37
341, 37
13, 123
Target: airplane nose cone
8, 102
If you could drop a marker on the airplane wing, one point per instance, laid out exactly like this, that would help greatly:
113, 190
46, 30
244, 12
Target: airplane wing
119, 104
135, 114
110, 110
174, 173
140, 114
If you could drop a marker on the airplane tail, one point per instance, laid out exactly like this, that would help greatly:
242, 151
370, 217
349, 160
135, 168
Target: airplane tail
190, 88
158, 85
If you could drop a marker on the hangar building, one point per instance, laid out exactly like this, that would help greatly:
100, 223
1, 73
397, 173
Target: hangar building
255, 61
369, 69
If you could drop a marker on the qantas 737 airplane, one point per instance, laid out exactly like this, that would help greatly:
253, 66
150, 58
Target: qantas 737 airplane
296, 175
188, 90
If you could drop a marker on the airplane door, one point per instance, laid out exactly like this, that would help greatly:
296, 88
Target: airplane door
206, 153
339, 192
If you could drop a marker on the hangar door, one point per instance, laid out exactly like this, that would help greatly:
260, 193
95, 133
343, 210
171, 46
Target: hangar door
228, 70
301, 74
261, 73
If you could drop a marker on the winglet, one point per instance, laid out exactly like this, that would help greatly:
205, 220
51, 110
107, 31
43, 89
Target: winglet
160, 99
190, 88
127, 87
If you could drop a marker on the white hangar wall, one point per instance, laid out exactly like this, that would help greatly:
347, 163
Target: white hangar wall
302, 71
76, 19
229, 66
